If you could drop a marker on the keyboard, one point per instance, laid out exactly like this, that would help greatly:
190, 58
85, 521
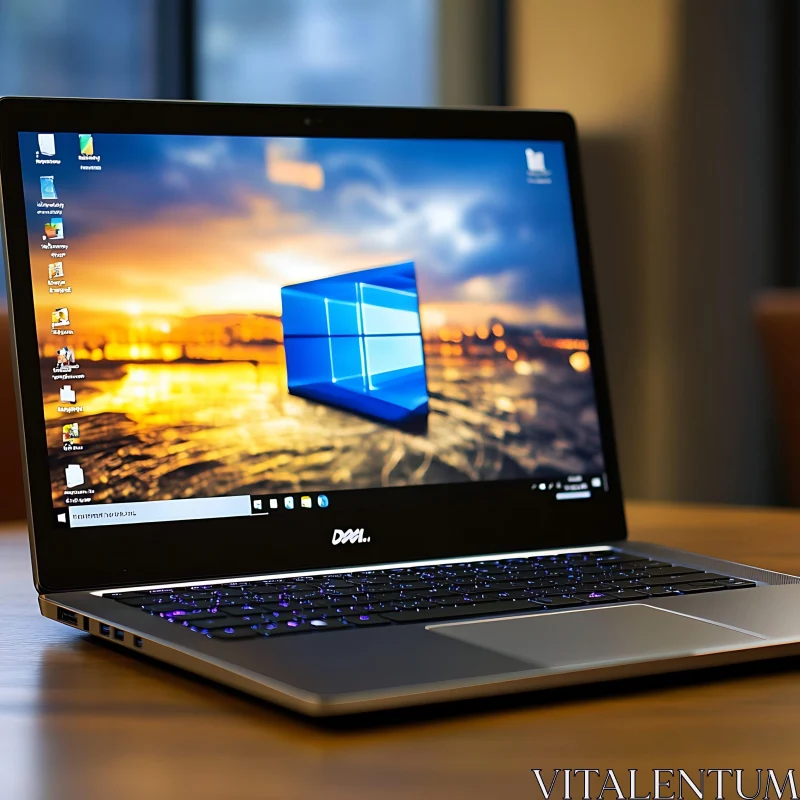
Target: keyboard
352, 600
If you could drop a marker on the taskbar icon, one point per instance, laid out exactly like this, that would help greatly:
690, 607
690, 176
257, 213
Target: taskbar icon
264, 504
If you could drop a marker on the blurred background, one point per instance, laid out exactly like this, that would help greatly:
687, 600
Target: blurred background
689, 115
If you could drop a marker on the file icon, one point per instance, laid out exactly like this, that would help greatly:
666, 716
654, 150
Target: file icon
67, 394
47, 144
74, 475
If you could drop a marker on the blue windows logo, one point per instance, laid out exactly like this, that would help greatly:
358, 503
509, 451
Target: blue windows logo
354, 341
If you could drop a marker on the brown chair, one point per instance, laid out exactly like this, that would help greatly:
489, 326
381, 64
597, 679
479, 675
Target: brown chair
777, 315
12, 498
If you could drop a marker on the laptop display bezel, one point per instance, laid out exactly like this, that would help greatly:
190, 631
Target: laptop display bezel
456, 521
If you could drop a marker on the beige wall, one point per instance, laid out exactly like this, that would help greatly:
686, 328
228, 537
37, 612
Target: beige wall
669, 96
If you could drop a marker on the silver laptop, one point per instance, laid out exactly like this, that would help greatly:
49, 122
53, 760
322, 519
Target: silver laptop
313, 403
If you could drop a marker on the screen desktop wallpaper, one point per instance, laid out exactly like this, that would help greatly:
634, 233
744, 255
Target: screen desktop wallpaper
259, 315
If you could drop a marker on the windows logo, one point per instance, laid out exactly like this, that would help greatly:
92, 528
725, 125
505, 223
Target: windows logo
354, 341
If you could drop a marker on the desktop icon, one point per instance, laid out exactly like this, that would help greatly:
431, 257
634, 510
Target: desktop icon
70, 433
597, 482
48, 186
86, 142
273, 503
288, 502
305, 501
65, 357
322, 501
54, 229
55, 270
74, 476
67, 394
257, 505
60, 317
534, 160
47, 144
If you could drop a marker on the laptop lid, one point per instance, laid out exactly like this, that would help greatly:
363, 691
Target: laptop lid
255, 339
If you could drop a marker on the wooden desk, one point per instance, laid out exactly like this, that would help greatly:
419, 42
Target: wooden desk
80, 720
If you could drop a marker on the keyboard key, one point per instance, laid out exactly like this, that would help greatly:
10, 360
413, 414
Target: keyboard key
656, 591
235, 633
263, 597
242, 611
664, 571
191, 613
598, 597
559, 602
383, 597
148, 593
138, 600
366, 620
674, 581
324, 614
185, 594
693, 588
466, 598
332, 623
617, 558
217, 623
735, 583
591, 586
192, 619
593, 570
304, 595
630, 594
379, 608
163, 608
280, 616
449, 612
284, 628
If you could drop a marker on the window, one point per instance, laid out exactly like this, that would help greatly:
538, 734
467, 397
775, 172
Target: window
355, 341
89, 49
367, 52
59, 48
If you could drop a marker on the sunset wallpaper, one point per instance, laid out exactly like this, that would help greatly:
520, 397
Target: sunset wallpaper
159, 264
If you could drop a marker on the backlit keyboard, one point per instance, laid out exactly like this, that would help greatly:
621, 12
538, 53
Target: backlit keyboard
348, 600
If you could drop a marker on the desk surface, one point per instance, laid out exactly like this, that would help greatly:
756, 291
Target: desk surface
81, 720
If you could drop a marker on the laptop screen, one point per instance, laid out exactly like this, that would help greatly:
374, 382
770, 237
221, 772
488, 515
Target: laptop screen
235, 326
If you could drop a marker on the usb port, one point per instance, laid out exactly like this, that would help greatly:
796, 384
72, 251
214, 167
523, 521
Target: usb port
137, 641
70, 617
105, 630
119, 635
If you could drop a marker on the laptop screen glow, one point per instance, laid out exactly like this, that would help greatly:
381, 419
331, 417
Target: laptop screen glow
231, 326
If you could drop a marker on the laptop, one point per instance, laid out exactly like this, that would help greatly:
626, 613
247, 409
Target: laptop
313, 403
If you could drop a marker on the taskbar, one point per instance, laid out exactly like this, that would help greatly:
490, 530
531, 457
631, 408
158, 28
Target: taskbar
570, 487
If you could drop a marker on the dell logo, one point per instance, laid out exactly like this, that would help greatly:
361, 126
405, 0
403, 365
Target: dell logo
350, 536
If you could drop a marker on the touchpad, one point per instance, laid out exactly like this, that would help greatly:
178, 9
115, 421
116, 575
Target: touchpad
596, 635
